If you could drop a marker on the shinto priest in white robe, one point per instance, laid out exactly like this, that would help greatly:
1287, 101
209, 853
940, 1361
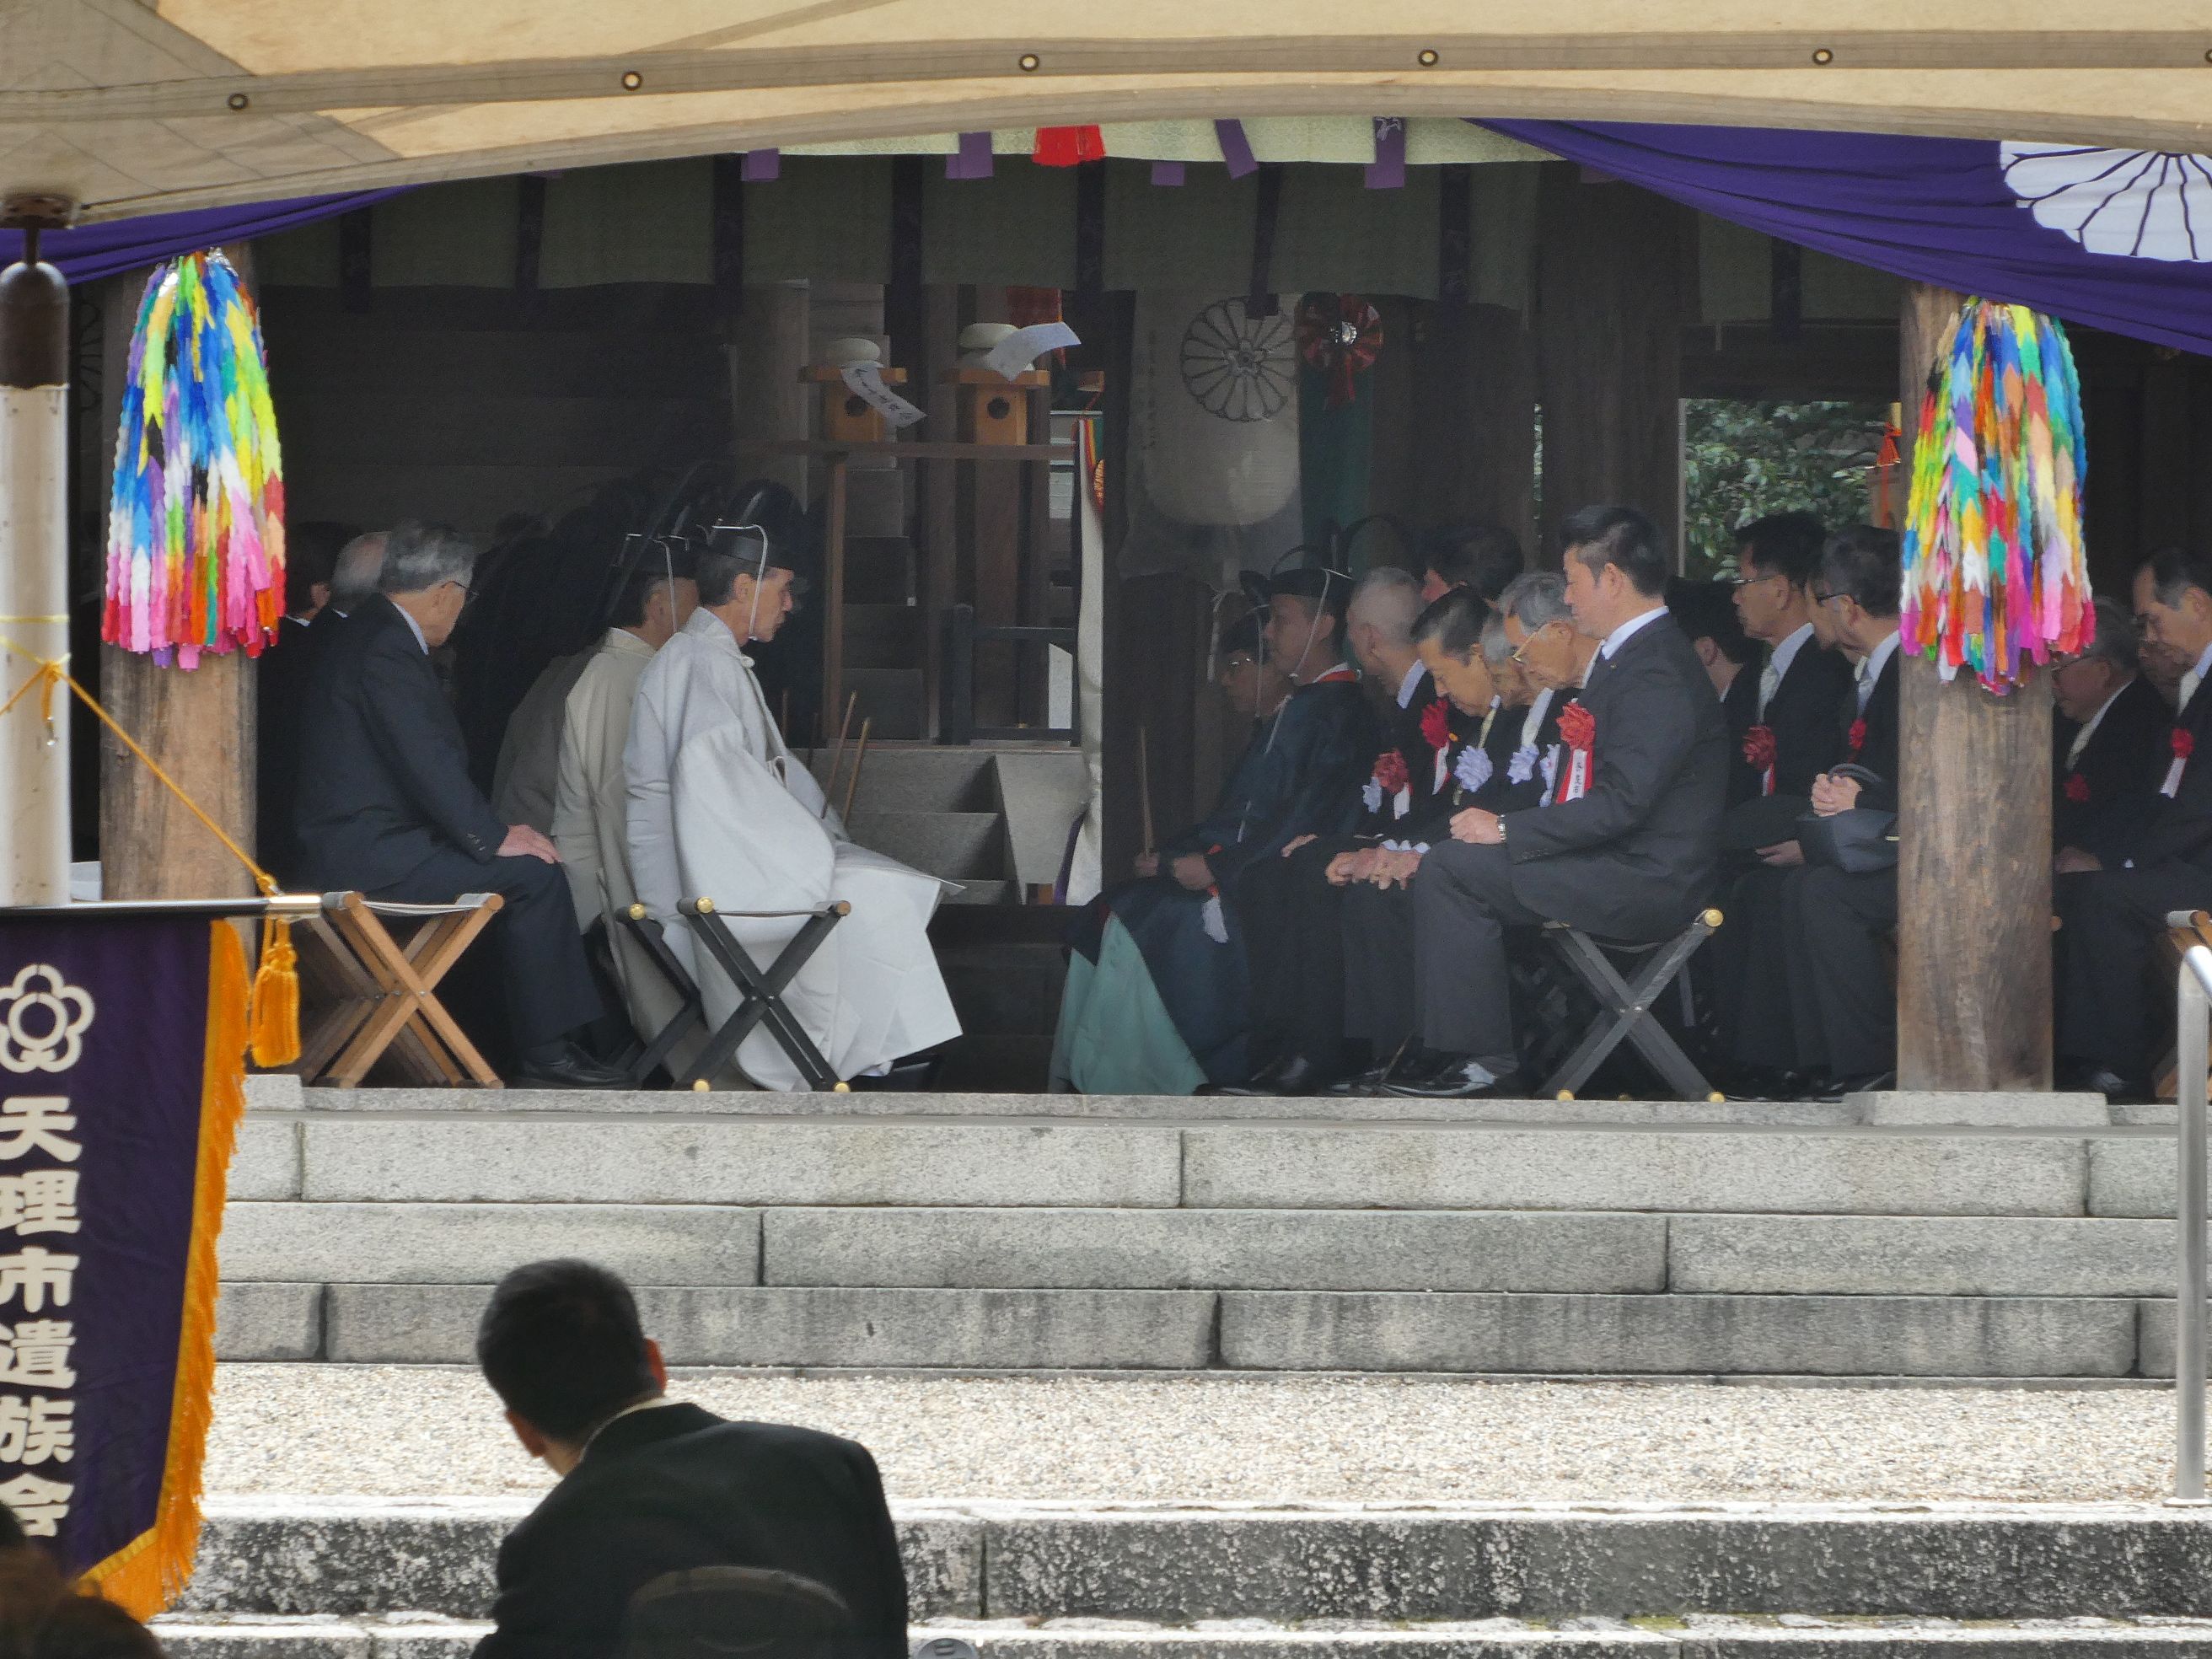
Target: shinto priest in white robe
720, 809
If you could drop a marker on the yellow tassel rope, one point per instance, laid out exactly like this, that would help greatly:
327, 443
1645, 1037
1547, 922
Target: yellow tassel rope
146, 1574
276, 1004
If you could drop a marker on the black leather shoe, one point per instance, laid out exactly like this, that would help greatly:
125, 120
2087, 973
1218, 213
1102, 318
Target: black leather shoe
569, 1067
1295, 1076
1460, 1078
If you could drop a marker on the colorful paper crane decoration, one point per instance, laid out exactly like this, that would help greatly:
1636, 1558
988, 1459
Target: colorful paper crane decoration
1995, 575
195, 525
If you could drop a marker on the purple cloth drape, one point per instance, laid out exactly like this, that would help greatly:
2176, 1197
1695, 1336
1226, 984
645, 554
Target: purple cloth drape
102, 249
2107, 237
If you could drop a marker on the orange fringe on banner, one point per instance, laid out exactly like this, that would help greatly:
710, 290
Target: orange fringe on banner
146, 1574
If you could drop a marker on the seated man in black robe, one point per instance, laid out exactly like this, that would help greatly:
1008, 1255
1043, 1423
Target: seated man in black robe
1293, 934
1156, 998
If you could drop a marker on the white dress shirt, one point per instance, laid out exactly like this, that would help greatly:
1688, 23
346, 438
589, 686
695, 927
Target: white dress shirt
1619, 636
414, 628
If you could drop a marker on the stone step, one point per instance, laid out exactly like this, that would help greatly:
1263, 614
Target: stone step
1546, 1334
955, 845
1712, 1635
511, 1146
1074, 1248
342, 1559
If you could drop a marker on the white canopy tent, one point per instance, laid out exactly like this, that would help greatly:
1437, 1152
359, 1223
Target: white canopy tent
128, 108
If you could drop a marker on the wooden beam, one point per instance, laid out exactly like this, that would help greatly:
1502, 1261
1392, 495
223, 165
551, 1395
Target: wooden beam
1615, 263
768, 403
1973, 936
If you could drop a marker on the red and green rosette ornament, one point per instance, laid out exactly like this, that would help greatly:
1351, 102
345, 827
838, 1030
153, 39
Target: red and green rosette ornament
1340, 334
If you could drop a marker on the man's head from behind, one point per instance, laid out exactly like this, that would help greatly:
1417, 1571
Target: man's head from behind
659, 596
359, 569
1613, 567
1482, 557
1384, 603
561, 1345
427, 568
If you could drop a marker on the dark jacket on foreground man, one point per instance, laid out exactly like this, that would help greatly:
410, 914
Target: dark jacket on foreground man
671, 1487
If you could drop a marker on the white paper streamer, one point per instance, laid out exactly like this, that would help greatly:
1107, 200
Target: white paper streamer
865, 382
1014, 353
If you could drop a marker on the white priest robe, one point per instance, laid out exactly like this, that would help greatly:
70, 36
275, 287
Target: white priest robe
720, 809
590, 817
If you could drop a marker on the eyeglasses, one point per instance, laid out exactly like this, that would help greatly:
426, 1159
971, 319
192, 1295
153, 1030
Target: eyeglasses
1521, 651
1828, 599
1753, 582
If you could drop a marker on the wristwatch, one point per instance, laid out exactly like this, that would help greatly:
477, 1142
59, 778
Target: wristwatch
1501, 832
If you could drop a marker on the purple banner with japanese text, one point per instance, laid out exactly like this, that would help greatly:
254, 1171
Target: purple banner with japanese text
121, 1043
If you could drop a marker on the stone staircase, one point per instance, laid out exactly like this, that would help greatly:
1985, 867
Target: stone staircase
991, 1232
376, 1579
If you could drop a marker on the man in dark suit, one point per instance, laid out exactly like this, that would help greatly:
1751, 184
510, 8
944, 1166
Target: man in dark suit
2108, 744
385, 805
2112, 905
650, 1487
1628, 847
1791, 737
1508, 677
280, 687
1843, 1007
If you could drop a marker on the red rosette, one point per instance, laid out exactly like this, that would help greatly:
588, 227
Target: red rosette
1577, 727
2184, 742
1390, 771
1856, 737
1759, 747
1339, 335
2076, 788
1435, 725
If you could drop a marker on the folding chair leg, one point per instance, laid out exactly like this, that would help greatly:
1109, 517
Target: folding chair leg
1628, 1013
762, 995
650, 938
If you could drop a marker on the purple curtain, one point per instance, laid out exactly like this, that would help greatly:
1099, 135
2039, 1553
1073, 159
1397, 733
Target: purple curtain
102, 250
2118, 239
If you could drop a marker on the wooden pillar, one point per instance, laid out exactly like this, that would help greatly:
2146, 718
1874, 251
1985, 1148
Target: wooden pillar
200, 724
994, 535
938, 514
768, 347
1615, 266
1973, 936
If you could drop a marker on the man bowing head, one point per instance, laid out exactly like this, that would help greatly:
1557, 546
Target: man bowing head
1627, 845
720, 809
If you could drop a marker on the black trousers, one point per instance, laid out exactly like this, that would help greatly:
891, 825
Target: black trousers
1843, 1007
1293, 930
2108, 1010
1464, 903
544, 979
1754, 956
1379, 974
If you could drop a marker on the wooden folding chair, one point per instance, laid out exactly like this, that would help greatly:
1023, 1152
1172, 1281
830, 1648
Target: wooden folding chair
382, 994
1625, 1005
648, 933
2173, 945
761, 992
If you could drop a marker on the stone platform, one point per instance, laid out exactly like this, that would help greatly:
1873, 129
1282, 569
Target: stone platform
303, 1579
1058, 1232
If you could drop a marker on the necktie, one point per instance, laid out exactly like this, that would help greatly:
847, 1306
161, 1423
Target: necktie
2081, 742
1866, 683
2190, 681
1770, 682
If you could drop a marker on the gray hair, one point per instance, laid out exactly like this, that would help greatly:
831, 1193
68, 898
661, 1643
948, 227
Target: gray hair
418, 555
359, 568
1389, 597
1496, 649
1536, 597
2115, 641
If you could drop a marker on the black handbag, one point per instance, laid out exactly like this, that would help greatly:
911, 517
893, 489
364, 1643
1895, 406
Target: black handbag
1858, 843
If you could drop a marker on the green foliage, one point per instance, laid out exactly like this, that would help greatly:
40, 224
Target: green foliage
1742, 460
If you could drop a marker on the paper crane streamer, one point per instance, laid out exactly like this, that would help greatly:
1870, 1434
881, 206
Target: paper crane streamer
195, 525
1995, 575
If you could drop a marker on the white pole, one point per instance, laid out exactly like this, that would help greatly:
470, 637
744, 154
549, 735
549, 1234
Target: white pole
2193, 1000
34, 754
